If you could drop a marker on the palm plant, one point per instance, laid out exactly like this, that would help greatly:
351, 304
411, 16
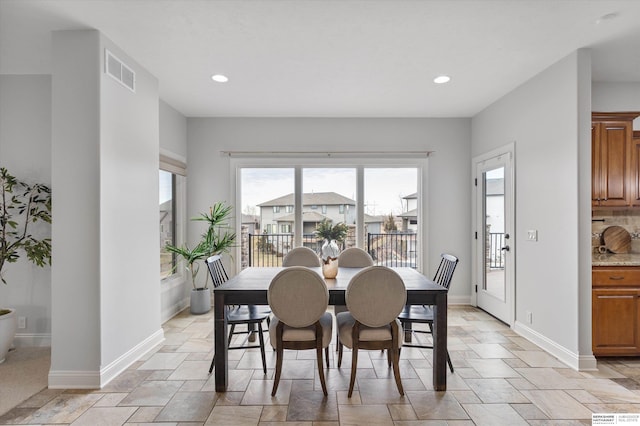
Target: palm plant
218, 238
332, 235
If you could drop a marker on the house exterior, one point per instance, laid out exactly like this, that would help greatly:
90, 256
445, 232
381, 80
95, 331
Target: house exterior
277, 215
410, 214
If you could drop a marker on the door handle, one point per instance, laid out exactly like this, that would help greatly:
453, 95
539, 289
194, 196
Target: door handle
505, 248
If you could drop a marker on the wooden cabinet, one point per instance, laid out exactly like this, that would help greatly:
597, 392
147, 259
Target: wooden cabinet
616, 311
613, 165
635, 170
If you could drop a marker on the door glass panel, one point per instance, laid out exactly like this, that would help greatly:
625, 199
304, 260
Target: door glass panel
267, 200
391, 201
496, 241
328, 194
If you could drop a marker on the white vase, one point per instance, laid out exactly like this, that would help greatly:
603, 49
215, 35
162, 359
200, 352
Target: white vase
200, 301
8, 328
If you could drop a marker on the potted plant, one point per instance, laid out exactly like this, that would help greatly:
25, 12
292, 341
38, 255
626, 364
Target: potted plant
332, 236
217, 239
21, 205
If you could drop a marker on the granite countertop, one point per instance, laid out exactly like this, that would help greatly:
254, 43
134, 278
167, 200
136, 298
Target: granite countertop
612, 259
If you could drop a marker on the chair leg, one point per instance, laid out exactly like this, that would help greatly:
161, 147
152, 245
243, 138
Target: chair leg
339, 355
354, 366
326, 354
321, 370
276, 379
449, 361
233, 327
213, 361
396, 369
261, 337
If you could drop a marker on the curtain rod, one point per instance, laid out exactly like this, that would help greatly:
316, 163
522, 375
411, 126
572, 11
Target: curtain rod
325, 153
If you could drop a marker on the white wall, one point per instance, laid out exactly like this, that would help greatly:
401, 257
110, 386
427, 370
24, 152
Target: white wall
25, 150
617, 97
105, 298
545, 119
449, 191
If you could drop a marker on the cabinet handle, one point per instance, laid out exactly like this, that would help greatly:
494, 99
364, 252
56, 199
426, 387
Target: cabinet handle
616, 278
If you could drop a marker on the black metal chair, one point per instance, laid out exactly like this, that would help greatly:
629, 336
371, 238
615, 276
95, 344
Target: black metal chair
251, 315
423, 314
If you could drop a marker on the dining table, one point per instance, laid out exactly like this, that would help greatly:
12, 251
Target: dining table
250, 287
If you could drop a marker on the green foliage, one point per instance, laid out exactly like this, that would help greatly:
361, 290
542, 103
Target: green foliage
338, 232
22, 204
390, 223
218, 238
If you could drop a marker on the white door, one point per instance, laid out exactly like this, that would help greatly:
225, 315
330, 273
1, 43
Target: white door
494, 239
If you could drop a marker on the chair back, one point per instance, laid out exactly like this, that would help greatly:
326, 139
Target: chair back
301, 256
298, 296
355, 257
216, 270
444, 274
375, 296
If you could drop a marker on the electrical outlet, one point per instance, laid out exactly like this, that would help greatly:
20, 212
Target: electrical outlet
22, 322
529, 317
532, 235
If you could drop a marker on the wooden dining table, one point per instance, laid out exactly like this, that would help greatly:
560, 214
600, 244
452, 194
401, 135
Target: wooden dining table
251, 285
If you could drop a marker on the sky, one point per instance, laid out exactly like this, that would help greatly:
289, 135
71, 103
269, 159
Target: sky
384, 187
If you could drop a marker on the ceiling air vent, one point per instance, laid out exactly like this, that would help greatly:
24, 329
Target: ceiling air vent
119, 71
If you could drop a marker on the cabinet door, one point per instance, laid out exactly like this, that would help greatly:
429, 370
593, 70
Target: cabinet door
613, 157
615, 322
635, 171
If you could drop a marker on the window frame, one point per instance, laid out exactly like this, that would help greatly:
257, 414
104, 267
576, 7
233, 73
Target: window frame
364, 161
178, 170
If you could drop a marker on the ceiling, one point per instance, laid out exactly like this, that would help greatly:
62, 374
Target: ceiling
332, 58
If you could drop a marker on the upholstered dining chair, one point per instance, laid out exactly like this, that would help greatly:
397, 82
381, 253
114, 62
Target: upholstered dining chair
353, 257
251, 315
375, 296
301, 256
298, 297
423, 314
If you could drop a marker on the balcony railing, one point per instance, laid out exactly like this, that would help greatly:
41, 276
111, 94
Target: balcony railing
495, 255
393, 249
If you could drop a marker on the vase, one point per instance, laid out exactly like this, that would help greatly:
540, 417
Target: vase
8, 327
330, 268
200, 301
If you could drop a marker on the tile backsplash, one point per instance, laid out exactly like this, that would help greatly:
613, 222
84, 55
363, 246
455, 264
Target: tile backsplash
628, 219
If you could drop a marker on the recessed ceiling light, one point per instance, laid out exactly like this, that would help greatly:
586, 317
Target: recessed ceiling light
219, 78
442, 79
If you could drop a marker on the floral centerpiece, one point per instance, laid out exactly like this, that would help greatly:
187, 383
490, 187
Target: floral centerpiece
333, 236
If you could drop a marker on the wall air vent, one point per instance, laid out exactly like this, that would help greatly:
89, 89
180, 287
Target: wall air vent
119, 71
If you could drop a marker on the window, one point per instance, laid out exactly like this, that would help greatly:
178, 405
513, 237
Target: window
285, 228
379, 202
276, 209
172, 206
167, 222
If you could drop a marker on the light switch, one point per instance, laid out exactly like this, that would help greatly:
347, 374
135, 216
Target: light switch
532, 235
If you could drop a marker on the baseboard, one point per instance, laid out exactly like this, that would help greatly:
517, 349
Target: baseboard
97, 380
458, 300
173, 310
22, 340
572, 359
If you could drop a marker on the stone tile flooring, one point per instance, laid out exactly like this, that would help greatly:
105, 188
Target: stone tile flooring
500, 379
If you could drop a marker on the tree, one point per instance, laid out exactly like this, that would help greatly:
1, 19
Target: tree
390, 223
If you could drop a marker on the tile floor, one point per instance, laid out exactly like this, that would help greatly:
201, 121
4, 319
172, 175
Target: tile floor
500, 379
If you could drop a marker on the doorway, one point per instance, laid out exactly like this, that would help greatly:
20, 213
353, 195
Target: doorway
494, 243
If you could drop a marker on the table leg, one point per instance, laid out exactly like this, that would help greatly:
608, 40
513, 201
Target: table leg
440, 343
220, 343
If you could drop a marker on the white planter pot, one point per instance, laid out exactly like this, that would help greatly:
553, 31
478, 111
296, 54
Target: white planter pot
200, 301
8, 328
